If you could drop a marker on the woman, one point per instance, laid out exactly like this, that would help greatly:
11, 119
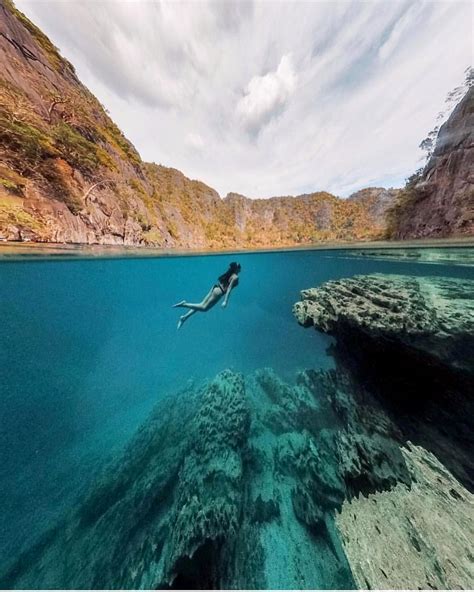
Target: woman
225, 284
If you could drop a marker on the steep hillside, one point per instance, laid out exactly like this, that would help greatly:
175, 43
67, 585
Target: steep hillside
376, 200
440, 201
57, 142
307, 218
68, 174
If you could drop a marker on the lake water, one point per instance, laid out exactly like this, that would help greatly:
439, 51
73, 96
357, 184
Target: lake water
88, 346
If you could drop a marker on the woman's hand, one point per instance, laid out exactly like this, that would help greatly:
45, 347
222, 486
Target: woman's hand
224, 304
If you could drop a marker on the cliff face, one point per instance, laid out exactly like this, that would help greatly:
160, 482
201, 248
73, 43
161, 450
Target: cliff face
68, 174
57, 143
441, 203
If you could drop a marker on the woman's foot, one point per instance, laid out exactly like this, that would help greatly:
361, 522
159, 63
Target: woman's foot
178, 304
181, 321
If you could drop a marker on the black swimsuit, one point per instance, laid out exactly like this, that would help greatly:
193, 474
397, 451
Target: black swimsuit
224, 288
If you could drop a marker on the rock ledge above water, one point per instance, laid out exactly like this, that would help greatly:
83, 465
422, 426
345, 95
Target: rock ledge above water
431, 315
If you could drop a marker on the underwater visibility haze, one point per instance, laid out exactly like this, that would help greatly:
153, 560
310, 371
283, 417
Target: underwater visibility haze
240, 450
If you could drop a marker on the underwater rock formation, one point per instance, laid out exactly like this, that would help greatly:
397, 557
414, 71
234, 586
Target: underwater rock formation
404, 347
412, 537
209, 494
234, 484
330, 482
410, 342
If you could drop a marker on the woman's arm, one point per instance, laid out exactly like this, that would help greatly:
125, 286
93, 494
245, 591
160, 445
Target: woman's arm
229, 289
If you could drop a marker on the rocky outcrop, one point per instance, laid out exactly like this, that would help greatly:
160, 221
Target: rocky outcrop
431, 317
69, 175
441, 202
411, 341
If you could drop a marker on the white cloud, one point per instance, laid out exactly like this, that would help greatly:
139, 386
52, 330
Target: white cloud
408, 19
335, 94
265, 96
194, 141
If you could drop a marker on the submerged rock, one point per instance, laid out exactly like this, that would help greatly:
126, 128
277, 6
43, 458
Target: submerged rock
409, 341
404, 351
416, 537
209, 492
199, 500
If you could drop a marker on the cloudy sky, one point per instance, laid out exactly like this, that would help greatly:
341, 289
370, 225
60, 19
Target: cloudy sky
269, 98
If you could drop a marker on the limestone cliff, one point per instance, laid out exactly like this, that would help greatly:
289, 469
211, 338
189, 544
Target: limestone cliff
441, 201
68, 174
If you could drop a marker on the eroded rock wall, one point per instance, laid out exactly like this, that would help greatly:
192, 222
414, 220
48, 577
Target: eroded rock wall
442, 201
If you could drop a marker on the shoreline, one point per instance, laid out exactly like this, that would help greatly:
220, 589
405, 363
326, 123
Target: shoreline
30, 250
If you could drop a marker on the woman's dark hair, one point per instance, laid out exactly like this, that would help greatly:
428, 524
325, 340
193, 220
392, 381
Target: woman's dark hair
225, 277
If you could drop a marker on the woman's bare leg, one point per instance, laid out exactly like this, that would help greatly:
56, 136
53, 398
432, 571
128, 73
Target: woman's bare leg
211, 298
185, 317
209, 301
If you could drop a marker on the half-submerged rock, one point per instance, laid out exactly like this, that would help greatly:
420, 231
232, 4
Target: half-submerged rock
431, 318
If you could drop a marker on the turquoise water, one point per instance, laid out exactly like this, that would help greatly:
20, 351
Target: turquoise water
88, 347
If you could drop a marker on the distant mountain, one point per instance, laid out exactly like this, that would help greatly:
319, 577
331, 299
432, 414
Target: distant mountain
439, 202
68, 174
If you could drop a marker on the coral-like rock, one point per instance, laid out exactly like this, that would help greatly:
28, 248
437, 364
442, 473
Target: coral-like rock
209, 497
319, 486
434, 316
